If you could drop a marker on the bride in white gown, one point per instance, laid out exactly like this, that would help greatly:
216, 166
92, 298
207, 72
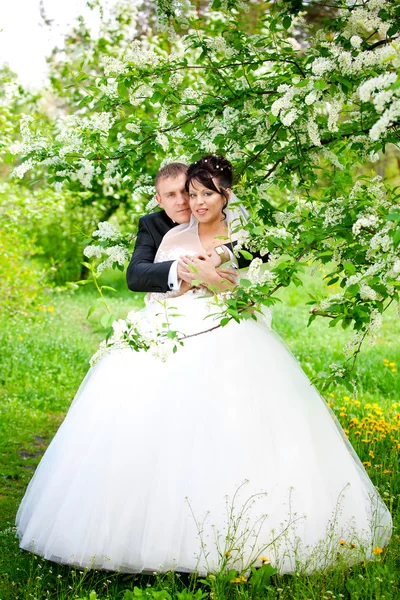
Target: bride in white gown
223, 450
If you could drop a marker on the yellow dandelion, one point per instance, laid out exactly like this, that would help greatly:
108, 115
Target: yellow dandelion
51, 308
371, 454
392, 364
366, 463
346, 431
386, 471
394, 370
346, 398
377, 550
264, 559
352, 545
385, 360
342, 542
227, 553
20, 337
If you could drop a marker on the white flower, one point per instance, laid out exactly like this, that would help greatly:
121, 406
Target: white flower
367, 293
120, 328
163, 141
118, 254
152, 204
375, 83
133, 127
396, 266
22, 168
368, 222
92, 250
26, 133
356, 41
106, 232
387, 119
311, 98
113, 65
334, 109
288, 118
163, 350
321, 65
85, 174
312, 129
110, 90
258, 275
102, 122
328, 154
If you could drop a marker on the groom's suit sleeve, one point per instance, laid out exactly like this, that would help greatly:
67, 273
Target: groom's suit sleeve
142, 274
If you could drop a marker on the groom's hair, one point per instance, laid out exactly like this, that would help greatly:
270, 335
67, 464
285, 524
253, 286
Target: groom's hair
171, 170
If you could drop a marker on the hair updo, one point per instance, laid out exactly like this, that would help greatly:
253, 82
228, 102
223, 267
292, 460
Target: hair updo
209, 167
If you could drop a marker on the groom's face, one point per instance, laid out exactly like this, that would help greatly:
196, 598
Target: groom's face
173, 198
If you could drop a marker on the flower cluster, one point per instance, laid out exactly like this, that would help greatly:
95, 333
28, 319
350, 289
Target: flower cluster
140, 332
372, 429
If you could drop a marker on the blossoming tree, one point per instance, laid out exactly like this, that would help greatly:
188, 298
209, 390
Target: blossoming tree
298, 121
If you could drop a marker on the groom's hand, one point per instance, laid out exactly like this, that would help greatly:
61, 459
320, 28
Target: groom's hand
230, 275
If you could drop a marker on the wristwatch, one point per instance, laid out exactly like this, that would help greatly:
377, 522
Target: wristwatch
220, 250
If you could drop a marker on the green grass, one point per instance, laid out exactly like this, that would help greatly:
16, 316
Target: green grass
42, 362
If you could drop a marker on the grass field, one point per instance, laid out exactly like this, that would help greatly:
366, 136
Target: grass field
45, 356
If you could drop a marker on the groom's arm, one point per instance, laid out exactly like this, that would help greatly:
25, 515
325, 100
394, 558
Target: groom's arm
142, 274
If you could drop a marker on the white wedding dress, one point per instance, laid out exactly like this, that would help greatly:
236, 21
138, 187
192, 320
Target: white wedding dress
225, 447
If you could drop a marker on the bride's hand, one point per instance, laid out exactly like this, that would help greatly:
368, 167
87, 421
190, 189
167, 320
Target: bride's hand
200, 267
186, 271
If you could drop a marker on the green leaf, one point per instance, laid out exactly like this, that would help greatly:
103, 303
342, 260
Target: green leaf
287, 21
394, 216
245, 283
106, 320
349, 268
396, 238
85, 101
91, 310
246, 254
320, 84
107, 287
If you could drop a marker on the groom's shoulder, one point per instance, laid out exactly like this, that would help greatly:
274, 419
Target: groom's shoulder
155, 219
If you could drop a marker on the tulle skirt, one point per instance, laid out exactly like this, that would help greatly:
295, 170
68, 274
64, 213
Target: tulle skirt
222, 454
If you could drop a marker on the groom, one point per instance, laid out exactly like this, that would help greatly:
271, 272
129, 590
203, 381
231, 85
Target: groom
143, 275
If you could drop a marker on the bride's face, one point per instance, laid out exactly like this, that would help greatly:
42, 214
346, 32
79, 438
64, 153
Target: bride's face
205, 204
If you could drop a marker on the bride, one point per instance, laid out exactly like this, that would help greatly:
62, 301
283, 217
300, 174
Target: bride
220, 454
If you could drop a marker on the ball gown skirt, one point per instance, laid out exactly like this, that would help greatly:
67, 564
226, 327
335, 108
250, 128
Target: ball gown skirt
226, 446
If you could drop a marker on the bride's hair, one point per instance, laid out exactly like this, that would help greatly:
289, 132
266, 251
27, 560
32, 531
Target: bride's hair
209, 167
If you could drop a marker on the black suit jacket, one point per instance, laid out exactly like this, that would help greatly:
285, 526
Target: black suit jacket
143, 275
